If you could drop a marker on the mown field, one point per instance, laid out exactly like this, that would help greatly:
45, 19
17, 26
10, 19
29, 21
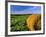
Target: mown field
18, 22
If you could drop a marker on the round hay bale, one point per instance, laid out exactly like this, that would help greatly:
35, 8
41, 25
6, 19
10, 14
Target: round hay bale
32, 20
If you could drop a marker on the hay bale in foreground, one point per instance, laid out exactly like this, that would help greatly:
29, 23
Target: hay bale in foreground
32, 20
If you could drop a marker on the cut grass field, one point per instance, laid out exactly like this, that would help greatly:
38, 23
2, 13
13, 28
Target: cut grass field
22, 23
18, 22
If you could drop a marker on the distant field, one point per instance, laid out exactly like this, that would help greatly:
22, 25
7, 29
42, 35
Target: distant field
18, 22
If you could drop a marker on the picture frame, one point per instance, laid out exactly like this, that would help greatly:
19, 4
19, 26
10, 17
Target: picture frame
7, 18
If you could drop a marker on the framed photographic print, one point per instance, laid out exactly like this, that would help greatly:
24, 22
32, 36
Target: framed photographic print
25, 18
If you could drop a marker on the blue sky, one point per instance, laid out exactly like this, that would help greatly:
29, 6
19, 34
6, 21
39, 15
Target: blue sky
17, 9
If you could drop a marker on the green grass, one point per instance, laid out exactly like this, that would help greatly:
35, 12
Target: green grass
18, 22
